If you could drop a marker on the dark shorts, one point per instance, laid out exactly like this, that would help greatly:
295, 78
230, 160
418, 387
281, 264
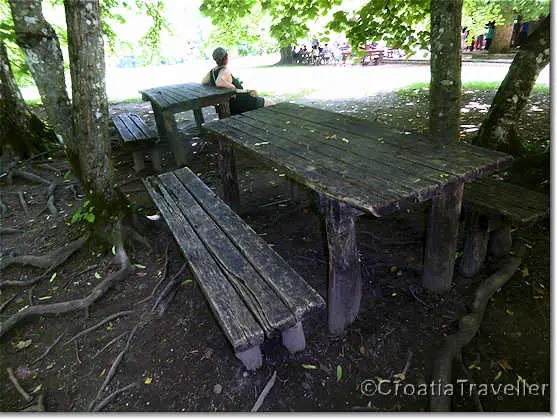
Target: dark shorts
244, 102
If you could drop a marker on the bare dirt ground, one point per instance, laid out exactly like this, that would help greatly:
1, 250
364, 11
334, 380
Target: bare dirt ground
181, 361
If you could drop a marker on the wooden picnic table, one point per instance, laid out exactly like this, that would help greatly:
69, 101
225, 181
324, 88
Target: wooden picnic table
361, 167
169, 100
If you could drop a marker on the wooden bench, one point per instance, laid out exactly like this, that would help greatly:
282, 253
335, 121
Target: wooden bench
492, 208
373, 57
252, 291
138, 138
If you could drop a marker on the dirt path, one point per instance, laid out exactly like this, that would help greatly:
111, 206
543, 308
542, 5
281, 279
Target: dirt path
182, 362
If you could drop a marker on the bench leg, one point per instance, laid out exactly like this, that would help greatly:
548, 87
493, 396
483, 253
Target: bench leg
156, 158
294, 191
251, 358
345, 276
475, 246
500, 241
293, 338
198, 116
223, 109
227, 174
441, 239
168, 131
138, 160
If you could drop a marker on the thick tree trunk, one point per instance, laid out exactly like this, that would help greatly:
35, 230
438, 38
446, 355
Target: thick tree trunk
444, 108
89, 150
498, 131
19, 128
39, 43
286, 56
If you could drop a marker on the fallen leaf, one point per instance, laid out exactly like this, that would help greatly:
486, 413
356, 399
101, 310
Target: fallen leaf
339, 373
38, 388
22, 344
499, 374
509, 312
504, 365
97, 275
309, 367
362, 350
148, 380
53, 277
139, 266
524, 272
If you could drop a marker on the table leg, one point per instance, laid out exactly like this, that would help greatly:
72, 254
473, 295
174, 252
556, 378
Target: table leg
198, 116
345, 276
442, 234
227, 174
168, 130
223, 109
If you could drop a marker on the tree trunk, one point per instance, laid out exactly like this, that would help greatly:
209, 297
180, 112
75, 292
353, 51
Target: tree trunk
444, 97
19, 128
89, 151
286, 56
498, 131
39, 43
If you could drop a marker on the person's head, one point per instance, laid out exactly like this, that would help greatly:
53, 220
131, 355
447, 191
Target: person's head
220, 56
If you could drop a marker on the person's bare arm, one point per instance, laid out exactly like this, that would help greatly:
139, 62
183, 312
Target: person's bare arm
224, 79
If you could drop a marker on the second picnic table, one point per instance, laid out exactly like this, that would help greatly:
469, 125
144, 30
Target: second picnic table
361, 167
166, 101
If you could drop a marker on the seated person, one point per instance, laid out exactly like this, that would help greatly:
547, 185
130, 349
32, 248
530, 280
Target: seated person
244, 100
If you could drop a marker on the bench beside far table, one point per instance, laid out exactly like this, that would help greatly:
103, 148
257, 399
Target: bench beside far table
361, 168
166, 101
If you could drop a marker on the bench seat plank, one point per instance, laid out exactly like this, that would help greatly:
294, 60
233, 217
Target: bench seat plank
288, 286
517, 204
133, 129
266, 306
237, 322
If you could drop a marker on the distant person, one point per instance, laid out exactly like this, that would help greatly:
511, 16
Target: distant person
489, 35
523, 33
244, 100
463, 36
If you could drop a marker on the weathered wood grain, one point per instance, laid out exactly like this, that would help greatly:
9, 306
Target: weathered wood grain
237, 322
441, 239
517, 204
287, 284
255, 292
133, 129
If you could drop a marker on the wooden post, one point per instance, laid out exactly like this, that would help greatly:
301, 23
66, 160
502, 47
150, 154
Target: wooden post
168, 131
230, 190
223, 109
345, 277
475, 246
442, 234
198, 116
500, 241
294, 191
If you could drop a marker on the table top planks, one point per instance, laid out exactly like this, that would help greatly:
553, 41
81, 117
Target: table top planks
355, 161
184, 96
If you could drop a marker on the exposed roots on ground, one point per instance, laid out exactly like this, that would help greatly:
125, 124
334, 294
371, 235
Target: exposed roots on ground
107, 399
50, 199
468, 327
167, 294
79, 304
49, 262
99, 324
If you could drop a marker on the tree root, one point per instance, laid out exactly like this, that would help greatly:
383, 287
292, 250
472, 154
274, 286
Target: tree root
112, 370
50, 199
72, 305
107, 399
22, 202
17, 386
7, 230
3, 208
8, 301
49, 262
265, 392
29, 176
166, 291
468, 327
109, 344
58, 339
99, 324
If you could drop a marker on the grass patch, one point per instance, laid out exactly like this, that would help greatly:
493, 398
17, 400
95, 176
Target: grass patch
128, 100
34, 102
422, 87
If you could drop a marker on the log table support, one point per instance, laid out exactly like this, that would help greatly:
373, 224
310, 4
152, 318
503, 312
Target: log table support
293, 338
168, 130
441, 240
198, 116
230, 191
345, 277
475, 245
500, 241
